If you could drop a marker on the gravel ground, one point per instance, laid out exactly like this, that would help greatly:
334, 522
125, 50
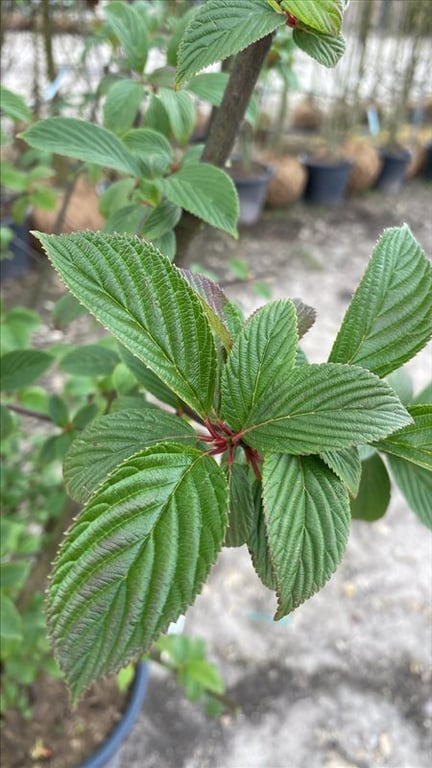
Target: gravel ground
343, 682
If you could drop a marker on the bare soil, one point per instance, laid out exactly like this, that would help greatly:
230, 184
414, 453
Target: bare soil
55, 735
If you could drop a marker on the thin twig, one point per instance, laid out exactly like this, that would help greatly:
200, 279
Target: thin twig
27, 412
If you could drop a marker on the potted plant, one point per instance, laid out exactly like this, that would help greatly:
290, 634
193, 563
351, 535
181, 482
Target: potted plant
395, 155
289, 177
158, 508
251, 178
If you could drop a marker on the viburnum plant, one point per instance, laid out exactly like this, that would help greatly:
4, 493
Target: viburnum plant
247, 443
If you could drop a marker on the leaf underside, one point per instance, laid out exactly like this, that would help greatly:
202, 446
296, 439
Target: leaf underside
416, 485
373, 496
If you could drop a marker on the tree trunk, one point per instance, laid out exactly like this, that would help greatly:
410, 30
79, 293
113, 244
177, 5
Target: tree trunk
225, 125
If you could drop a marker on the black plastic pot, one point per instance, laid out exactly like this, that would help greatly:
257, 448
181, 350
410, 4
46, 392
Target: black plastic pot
327, 180
252, 190
392, 174
427, 172
107, 755
18, 261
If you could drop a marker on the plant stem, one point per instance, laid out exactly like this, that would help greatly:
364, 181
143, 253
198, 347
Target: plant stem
27, 412
238, 92
225, 124
47, 40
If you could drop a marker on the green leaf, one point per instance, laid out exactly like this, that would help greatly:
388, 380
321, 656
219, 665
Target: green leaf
264, 352
207, 192
58, 410
241, 514
65, 310
166, 244
13, 178
7, 422
210, 86
84, 415
413, 443
10, 620
114, 437
307, 518
20, 368
257, 543
416, 485
374, 492
425, 396
161, 219
144, 301
6, 238
43, 198
129, 26
18, 325
180, 109
121, 105
55, 448
320, 407
161, 77
389, 318
326, 49
10, 535
220, 29
152, 148
177, 33
35, 398
148, 379
135, 559
156, 117
14, 106
116, 196
347, 467
324, 15
401, 382
128, 220
201, 674
89, 360
85, 141
13, 573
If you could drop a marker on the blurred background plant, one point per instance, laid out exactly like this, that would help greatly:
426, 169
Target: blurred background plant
45, 404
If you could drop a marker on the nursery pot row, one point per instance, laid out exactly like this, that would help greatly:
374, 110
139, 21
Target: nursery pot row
327, 180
